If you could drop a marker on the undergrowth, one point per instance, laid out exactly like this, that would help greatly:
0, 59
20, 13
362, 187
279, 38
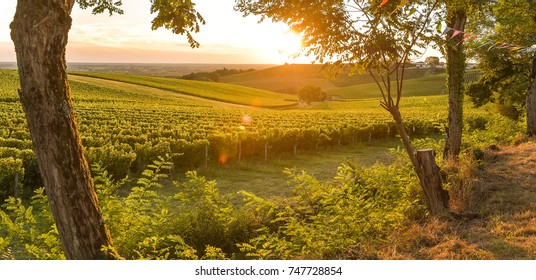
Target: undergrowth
356, 215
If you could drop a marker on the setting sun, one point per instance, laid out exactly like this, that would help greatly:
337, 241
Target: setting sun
279, 45
227, 37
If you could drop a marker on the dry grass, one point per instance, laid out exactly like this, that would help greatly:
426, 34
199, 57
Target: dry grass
502, 194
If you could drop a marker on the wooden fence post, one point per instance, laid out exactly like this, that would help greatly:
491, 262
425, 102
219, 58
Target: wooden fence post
239, 149
266, 151
16, 191
206, 156
438, 198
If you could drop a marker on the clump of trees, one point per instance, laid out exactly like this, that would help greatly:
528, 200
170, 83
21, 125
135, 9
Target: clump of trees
311, 93
432, 61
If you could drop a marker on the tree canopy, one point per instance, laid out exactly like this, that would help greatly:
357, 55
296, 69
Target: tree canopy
179, 16
378, 37
505, 75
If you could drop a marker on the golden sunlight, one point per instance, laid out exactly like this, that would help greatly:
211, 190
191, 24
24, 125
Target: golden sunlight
287, 46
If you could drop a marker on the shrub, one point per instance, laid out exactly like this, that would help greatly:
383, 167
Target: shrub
321, 220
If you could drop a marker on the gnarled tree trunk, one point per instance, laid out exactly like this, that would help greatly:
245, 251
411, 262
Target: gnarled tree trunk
455, 79
531, 101
39, 31
428, 172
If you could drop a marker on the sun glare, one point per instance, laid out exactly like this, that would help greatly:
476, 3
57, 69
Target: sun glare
291, 43
282, 46
290, 46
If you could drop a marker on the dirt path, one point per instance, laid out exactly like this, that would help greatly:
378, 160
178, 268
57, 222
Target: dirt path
504, 227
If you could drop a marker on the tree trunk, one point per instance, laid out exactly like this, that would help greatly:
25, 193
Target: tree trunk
531, 102
426, 169
438, 198
40, 30
405, 140
455, 80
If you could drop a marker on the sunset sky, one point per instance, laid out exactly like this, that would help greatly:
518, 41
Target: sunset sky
226, 38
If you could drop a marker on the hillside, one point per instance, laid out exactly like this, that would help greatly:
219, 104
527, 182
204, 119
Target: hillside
430, 85
285, 78
291, 77
214, 91
502, 194
121, 91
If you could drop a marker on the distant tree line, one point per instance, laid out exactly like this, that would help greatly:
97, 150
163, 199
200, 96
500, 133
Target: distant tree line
214, 76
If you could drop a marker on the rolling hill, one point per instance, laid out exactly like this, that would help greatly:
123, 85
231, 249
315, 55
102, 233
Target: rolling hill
286, 78
228, 93
291, 77
430, 85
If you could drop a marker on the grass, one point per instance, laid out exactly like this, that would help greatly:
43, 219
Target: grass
503, 224
214, 91
289, 78
286, 78
268, 180
430, 85
416, 83
122, 91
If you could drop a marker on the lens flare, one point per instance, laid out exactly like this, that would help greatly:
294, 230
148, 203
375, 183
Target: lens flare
245, 119
223, 159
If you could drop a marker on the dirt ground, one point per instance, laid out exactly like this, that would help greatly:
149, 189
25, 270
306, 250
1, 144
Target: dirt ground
497, 218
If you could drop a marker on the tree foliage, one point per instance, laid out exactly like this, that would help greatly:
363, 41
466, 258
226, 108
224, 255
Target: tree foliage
369, 36
433, 61
505, 74
39, 31
311, 93
179, 16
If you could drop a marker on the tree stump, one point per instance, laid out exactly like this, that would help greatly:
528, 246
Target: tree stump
438, 198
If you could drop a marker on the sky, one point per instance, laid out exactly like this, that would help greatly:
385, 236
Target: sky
227, 37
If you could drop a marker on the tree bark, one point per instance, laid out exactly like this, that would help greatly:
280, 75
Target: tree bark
426, 169
531, 101
455, 80
39, 31
438, 198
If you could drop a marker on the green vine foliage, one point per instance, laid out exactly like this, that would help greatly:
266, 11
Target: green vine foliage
322, 220
192, 220
28, 231
351, 216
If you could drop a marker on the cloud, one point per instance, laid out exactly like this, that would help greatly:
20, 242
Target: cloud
82, 52
7, 51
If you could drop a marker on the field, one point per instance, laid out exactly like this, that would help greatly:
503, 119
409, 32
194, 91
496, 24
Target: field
215, 91
280, 172
291, 77
127, 121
